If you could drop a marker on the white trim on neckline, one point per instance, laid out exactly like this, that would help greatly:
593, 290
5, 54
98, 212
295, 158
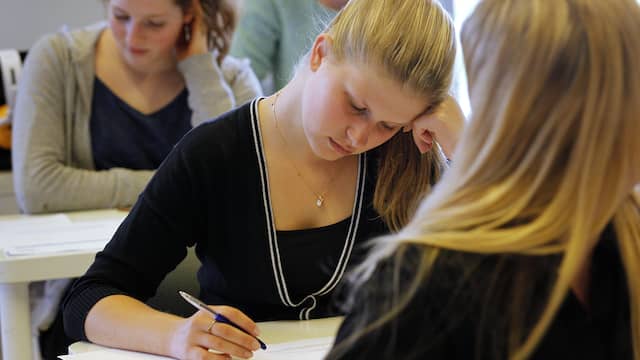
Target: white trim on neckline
276, 262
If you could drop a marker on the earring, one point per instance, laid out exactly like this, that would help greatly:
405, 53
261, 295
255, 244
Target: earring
187, 33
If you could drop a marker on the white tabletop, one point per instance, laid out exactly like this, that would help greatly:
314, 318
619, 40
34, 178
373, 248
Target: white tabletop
33, 240
51, 264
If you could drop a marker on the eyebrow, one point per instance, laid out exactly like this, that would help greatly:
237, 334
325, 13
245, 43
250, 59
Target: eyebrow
116, 7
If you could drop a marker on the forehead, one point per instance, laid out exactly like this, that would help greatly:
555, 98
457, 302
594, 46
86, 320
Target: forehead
386, 99
149, 7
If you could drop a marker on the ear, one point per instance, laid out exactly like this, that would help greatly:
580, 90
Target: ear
320, 51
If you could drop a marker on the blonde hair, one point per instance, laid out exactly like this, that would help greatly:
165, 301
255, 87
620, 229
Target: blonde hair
550, 155
413, 41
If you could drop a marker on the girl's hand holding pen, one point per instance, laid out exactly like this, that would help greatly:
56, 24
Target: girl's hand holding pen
199, 333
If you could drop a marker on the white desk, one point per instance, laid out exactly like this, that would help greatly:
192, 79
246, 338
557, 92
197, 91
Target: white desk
16, 272
271, 332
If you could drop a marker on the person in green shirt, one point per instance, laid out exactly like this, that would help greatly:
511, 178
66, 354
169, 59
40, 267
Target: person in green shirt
274, 34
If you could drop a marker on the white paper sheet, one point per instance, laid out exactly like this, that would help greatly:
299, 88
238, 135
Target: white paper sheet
309, 349
27, 223
112, 354
54, 234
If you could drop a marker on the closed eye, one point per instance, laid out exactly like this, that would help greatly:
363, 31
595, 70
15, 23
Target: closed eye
359, 110
154, 24
388, 126
430, 109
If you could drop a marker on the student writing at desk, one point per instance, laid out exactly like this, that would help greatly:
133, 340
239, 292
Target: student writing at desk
530, 246
277, 195
99, 108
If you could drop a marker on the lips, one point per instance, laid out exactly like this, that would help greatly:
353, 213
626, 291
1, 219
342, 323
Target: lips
341, 149
137, 51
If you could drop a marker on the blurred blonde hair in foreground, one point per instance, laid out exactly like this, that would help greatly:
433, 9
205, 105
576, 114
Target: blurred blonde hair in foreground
552, 151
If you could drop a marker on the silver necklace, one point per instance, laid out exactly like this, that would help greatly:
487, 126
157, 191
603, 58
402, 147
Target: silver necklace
320, 196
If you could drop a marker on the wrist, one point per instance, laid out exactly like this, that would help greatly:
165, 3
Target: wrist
175, 344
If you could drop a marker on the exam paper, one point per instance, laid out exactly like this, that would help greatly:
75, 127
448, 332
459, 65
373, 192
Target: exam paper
28, 223
39, 235
55, 248
112, 354
309, 349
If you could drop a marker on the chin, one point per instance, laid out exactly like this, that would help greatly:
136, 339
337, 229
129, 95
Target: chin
142, 65
324, 152
135, 61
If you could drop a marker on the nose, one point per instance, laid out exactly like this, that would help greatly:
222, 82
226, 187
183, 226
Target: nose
135, 33
358, 133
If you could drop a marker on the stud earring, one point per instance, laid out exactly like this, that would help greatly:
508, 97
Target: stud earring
187, 33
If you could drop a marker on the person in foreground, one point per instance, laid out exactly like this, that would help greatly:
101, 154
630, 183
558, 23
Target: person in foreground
98, 108
529, 247
277, 195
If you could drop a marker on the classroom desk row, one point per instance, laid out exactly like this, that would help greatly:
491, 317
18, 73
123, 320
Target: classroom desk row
43, 247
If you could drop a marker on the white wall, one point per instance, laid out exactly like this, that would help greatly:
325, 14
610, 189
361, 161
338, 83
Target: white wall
22, 22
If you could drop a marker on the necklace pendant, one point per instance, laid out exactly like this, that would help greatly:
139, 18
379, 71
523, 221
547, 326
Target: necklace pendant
319, 201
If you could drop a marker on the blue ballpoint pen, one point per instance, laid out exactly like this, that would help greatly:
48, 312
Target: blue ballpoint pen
218, 317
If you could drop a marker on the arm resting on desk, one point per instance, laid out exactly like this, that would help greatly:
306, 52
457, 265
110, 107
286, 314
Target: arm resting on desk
123, 322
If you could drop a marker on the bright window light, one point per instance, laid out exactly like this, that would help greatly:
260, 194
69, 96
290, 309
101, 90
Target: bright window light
461, 10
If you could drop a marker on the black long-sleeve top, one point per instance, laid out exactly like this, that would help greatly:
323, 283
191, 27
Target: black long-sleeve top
464, 308
212, 193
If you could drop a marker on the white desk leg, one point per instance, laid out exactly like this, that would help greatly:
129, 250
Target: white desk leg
15, 320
